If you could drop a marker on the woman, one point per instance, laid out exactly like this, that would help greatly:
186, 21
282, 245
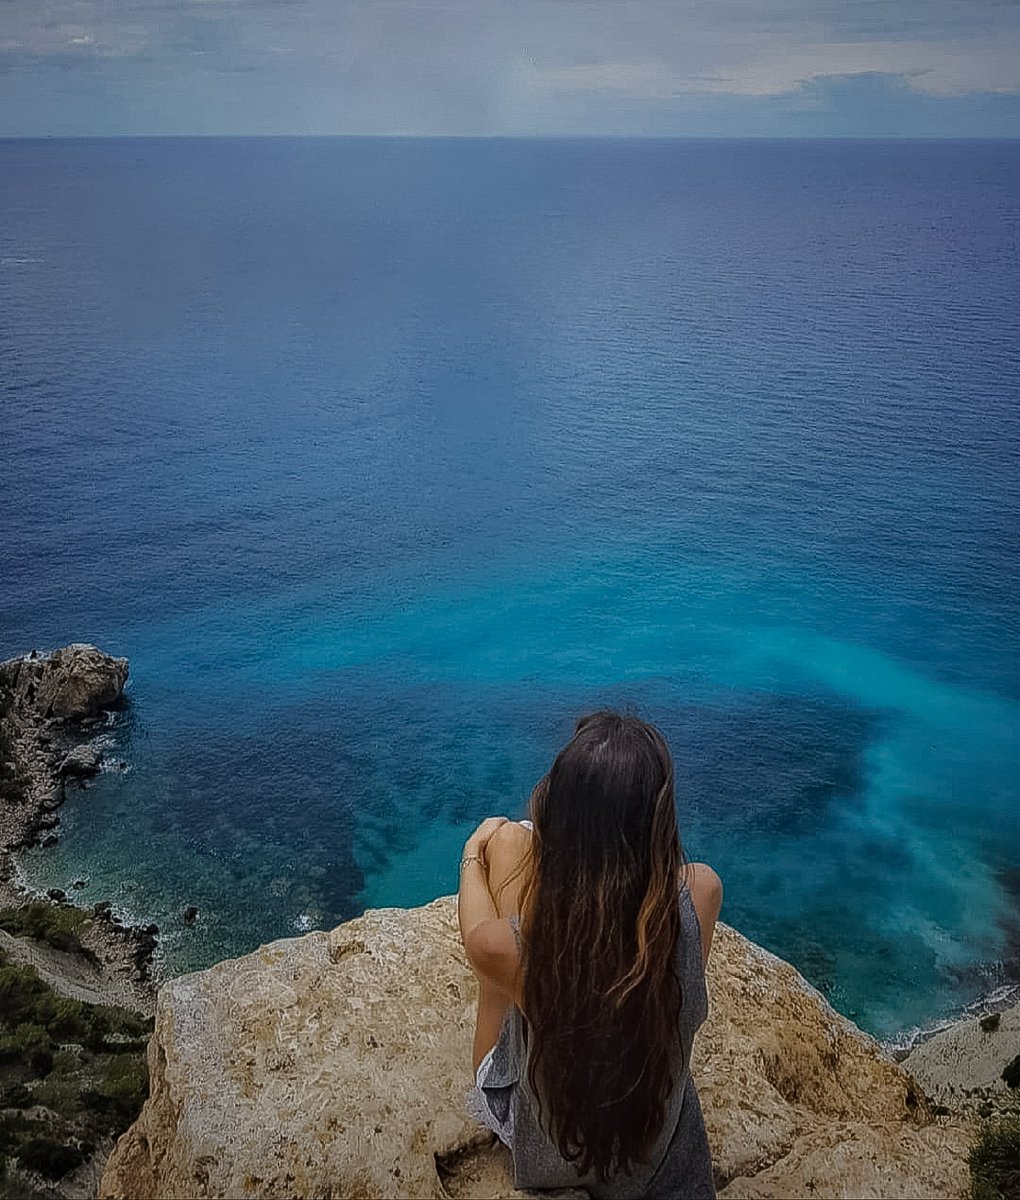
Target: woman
589, 935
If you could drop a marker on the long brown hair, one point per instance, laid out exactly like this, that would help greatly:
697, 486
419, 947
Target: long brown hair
599, 929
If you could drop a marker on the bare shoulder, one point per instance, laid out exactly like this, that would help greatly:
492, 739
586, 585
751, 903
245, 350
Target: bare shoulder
491, 950
707, 893
704, 881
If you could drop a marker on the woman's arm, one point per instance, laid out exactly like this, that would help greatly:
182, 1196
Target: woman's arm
474, 901
488, 941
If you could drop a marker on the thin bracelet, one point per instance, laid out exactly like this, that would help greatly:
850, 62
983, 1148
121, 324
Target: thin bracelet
469, 858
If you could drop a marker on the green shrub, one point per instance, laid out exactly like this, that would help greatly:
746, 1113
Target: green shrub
25, 998
29, 1043
15, 1095
995, 1160
13, 1130
22, 993
13, 780
126, 1083
94, 1092
25, 1038
56, 924
50, 1158
122, 1090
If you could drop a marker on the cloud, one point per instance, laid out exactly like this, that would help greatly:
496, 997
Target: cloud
485, 66
989, 68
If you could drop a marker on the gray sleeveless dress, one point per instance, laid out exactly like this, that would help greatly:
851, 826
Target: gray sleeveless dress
680, 1164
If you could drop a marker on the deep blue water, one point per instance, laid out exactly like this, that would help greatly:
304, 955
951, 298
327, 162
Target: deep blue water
383, 460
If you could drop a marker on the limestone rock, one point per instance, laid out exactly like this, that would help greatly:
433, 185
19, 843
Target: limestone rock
336, 1064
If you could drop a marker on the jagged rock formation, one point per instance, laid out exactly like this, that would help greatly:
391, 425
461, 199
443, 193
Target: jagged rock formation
336, 1064
45, 702
73, 683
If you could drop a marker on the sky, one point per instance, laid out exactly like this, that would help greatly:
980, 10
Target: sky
705, 68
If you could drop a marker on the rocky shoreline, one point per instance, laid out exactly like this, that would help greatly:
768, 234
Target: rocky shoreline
51, 707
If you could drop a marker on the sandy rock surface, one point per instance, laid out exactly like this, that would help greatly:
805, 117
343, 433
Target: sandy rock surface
962, 1066
336, 1064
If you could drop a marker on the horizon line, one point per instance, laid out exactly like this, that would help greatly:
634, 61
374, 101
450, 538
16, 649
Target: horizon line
512, 137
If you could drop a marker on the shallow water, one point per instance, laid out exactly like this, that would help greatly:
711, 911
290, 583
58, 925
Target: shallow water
383, 460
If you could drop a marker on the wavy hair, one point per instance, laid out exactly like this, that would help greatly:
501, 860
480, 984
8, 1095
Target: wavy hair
599, 929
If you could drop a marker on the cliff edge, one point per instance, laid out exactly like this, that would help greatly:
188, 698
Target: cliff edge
336, 1064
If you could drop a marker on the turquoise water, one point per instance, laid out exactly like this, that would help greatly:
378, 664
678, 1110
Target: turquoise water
382, 461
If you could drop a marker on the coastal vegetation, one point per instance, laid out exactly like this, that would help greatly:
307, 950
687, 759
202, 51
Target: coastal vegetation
58, 925
995, 1159
73, 1077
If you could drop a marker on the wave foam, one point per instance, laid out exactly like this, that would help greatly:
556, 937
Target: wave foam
1005, 996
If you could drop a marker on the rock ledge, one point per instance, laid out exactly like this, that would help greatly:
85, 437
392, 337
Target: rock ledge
336, 1064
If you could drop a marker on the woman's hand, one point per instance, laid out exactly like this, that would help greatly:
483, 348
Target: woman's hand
476, 843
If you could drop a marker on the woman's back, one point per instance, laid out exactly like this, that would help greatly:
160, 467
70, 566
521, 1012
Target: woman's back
584, 926
679, 1161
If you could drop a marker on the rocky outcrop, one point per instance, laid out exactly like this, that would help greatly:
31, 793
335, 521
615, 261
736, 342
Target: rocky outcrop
336, 1064
46, 702
72, 684
81, 763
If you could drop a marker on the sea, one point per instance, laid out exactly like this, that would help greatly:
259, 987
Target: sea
383, 460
